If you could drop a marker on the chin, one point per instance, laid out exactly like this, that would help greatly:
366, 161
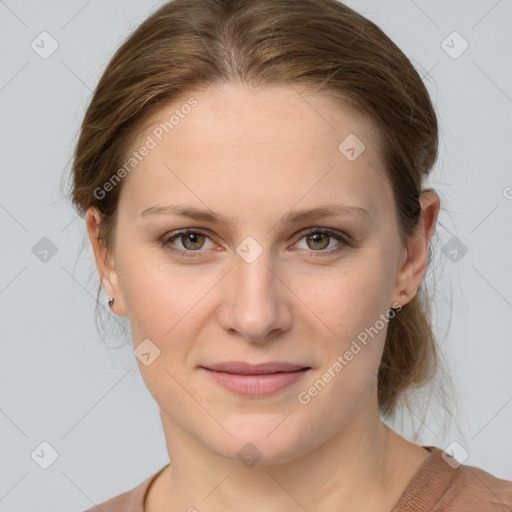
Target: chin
261, 439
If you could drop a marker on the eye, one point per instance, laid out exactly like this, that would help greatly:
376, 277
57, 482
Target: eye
317, 239
191, 240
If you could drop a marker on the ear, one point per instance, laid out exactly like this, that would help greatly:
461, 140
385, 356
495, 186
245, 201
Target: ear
415, 260
105, 262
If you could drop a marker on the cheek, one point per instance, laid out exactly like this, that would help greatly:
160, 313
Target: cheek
348, 376
169, 307
164, 307
346, 300
348, 307
160, 298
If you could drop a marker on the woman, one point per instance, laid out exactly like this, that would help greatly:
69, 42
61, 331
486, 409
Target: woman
251, 175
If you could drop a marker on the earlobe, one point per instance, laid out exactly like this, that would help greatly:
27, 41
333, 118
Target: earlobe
113, 291
104, 262
414, 267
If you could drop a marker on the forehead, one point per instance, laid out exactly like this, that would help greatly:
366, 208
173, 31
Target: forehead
240, 147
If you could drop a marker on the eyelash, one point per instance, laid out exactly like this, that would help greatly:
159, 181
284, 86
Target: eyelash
170, 237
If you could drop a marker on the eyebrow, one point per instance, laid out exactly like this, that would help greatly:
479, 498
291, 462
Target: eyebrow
293, 217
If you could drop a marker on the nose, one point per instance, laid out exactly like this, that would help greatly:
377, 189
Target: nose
256, 301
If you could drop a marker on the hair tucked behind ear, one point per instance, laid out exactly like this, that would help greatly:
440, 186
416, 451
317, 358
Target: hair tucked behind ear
188, 44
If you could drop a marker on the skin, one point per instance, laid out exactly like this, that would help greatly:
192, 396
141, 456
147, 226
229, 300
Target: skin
253, 155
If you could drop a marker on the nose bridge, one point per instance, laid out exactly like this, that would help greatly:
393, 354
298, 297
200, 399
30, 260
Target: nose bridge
254, 279
255, 308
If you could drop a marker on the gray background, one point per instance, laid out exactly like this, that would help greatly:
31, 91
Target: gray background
58, 382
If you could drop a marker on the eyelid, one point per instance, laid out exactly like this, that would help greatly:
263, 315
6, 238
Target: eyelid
319, 229
340, 236
343, 239
174, 235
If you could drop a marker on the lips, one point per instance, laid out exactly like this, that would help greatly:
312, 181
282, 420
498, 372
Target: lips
243, 368
255, 379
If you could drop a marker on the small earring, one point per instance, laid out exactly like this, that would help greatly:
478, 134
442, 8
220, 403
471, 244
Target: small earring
396, 310
111, 302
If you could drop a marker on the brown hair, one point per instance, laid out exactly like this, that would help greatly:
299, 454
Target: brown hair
189, 44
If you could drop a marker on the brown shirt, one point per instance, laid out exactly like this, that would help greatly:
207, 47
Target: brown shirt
436, 487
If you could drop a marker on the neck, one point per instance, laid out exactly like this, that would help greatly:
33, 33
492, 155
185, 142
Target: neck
360, 467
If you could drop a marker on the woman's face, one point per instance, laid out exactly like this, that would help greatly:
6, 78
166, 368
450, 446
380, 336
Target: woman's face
258, 288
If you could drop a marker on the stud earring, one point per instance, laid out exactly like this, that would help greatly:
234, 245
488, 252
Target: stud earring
111, 302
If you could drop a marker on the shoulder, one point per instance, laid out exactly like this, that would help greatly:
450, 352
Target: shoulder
462, 488
129, 501
444, 485
472, 489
